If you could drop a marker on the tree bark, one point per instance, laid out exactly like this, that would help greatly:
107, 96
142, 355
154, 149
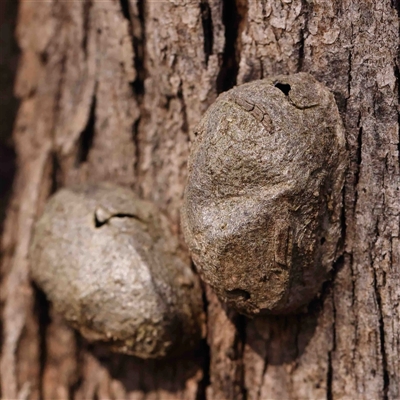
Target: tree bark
109, 90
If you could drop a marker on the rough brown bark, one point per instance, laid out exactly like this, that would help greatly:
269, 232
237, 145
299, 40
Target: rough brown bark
110, 91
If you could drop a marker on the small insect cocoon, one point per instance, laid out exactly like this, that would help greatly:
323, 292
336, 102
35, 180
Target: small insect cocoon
262, 206
110, 265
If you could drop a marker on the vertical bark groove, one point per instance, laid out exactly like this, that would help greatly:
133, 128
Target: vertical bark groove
42, 312
228, 73
86, 137
306, 9
206, 19
386, 378
139, 44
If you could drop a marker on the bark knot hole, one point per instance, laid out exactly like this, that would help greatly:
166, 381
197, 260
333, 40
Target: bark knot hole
283, 87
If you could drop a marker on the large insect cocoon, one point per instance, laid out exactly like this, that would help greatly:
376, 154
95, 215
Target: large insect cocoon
111, 266
262, 205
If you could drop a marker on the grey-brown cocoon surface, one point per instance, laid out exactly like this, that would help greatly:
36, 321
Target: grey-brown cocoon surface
262, 205
111, 266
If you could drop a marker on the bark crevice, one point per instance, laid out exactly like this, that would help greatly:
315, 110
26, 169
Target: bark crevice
139, 45
87, 6
305, 10
397, 75
85, 141
358, 159
185, 124
42, 312
205, 350
138, 25
208, 30
230, 59
385, 369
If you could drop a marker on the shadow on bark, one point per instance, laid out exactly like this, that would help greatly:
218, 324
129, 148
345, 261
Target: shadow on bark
280, 339
8, 108
8, 103
135, 374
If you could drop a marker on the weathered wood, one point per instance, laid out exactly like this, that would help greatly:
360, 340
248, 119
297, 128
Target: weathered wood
111, 91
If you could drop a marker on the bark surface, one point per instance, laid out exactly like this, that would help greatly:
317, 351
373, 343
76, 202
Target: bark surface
110, 90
